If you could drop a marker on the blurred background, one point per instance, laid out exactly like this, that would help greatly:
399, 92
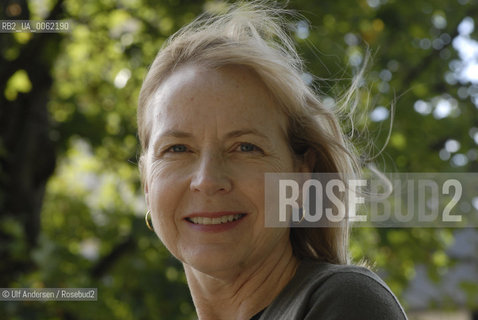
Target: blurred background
71, 205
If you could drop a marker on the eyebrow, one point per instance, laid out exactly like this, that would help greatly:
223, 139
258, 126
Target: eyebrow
233, 134
175, 134
170, 133
243, 132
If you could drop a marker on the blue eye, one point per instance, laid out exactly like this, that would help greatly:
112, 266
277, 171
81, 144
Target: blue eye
248, 147
178, 148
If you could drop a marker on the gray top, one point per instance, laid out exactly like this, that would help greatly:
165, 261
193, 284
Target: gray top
324, 291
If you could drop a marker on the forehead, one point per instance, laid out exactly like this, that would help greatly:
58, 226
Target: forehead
193, 94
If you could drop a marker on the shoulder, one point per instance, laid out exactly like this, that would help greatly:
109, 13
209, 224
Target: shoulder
352, 292
328, 291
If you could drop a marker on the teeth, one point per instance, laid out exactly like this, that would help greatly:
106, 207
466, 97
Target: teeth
223, 219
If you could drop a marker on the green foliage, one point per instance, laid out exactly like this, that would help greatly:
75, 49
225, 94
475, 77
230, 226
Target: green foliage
93, 233
19, 82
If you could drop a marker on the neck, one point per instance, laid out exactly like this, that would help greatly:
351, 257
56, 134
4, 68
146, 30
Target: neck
243, 292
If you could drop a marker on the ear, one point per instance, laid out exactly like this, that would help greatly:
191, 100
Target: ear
307, 163
146, 194
144, 181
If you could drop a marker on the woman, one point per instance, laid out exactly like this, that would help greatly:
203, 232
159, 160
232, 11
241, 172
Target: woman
224, 103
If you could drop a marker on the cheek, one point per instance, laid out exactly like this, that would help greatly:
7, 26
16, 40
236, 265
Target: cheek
166, 190
249, 188
165, 198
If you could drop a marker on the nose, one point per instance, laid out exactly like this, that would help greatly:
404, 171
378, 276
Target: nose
211, 177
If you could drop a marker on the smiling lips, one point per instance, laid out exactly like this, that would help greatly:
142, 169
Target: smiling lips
220, 220
217, 218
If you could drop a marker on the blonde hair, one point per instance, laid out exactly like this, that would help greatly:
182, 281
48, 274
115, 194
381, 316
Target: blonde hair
253, 35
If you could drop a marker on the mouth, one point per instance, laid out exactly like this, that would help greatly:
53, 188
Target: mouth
215, 220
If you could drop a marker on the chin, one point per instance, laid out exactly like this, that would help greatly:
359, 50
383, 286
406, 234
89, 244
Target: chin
214, 263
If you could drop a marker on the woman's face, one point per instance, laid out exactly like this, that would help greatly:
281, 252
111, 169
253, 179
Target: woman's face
214, 135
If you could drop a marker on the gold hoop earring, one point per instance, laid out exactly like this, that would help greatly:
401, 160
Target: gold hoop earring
147, 219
